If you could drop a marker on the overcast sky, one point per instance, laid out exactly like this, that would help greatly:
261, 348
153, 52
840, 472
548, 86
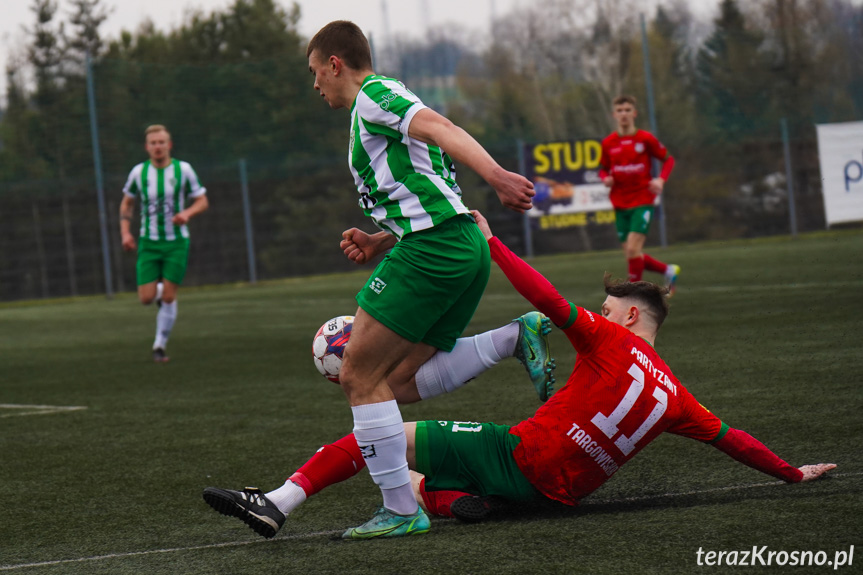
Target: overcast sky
408, 17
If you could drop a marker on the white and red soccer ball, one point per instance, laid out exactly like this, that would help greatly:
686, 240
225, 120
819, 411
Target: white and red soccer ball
329, 344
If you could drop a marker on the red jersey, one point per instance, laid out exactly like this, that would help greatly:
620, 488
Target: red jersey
619, 398
627, 160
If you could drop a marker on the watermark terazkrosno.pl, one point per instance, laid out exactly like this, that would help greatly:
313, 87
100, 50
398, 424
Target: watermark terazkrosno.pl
764, 556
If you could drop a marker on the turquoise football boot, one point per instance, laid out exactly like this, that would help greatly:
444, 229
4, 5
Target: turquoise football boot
387, 524
533, 352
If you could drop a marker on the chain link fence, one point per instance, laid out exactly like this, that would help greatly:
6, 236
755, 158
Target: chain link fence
301, 192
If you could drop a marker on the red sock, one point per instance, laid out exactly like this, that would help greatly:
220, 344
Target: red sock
653, 265
331, 464
636, 268
438, 502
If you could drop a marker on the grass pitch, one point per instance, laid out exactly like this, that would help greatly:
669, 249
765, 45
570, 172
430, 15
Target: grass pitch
765, 333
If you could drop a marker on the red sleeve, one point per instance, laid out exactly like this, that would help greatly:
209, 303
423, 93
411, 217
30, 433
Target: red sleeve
530, 283
654, 147
749, 451
696, 421
604, 162
667, 167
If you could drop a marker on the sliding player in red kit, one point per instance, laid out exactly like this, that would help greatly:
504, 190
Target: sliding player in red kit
620, 396
625, 168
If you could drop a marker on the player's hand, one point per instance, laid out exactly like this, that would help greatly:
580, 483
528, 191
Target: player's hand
482, 223
129, 242
811, 472
608, 181
514, 190
180, 219
656, 185
357, 245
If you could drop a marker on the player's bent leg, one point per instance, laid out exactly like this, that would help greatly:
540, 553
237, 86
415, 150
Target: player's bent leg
445, 372
249, 506
402, 380
147, 293
634, 246
634, 255
374, 352
533, 352
165, 319
169, 291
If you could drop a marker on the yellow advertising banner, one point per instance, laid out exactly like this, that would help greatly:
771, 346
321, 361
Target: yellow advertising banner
569, 191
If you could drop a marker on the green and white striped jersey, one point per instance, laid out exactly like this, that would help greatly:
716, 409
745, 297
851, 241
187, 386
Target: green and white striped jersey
164, 192
405, 185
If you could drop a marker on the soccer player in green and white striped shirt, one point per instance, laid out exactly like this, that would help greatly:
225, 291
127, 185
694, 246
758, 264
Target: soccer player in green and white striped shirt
422, 296
405, 342
170, 195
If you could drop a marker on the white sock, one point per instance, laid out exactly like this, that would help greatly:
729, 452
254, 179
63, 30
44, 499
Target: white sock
447, 371
160, 287
165, 323
287, 497
380, 435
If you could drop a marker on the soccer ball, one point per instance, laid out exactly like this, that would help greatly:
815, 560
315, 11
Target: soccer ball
329, 345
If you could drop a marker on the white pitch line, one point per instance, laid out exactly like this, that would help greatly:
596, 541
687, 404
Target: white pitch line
158, 551
321, 533
38, 409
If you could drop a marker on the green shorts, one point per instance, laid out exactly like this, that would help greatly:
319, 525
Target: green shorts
429, 285
162, 260
633, 220
471, 457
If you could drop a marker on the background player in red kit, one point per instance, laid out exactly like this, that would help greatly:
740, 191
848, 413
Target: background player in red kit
625, 168
620, 396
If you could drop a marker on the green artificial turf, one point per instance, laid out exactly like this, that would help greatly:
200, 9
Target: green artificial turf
764, 333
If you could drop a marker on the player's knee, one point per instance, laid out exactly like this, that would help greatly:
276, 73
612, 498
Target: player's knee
349, 378
359, 385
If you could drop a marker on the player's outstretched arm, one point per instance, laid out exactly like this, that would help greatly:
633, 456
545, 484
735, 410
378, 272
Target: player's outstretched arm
360, 247
531, 284
514, 190
744, 448
816, 471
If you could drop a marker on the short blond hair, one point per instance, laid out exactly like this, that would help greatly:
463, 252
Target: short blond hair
156, 128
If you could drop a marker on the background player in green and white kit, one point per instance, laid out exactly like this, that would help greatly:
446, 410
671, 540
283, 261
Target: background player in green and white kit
424, 293
170, 195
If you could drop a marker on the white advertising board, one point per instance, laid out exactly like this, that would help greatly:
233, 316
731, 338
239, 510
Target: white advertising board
840, 151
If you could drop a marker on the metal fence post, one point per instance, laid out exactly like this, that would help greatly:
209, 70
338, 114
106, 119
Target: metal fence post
100, 188
70, 250
247, 217
40, 250
789, 177
663, 238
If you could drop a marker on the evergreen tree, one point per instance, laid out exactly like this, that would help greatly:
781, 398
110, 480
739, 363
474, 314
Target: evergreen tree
731, 74
47, 55
87, 17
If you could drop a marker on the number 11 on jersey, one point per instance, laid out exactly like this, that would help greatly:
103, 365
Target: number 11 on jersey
608, 423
